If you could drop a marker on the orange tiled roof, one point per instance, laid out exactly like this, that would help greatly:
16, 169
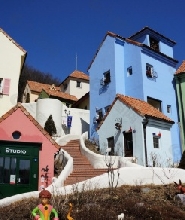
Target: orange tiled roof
27, 114
181, 68
77, 75
59, 94
11, 39
141, 107
37, 87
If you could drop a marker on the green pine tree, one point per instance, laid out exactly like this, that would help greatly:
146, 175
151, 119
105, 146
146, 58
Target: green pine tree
50, 126
182, 161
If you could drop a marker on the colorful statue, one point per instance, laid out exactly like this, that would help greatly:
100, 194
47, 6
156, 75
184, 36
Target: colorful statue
180, 187
69, 213
44, 210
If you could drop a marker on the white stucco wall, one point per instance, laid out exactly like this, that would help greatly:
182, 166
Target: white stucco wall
47, 107
80, 121
31, 108
163, 154
33, 95
131, 119
41, 110
11, 63
78, 91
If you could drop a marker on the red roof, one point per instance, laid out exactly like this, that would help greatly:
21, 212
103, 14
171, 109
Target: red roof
37, 87
77, 75
181, 68
28, 115
11, 39
141, 107
59, 94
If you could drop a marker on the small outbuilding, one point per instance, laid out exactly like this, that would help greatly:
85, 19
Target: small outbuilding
26, 153
134, 128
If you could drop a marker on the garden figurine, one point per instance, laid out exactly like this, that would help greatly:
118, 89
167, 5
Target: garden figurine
44, 210
180, 187
69, 213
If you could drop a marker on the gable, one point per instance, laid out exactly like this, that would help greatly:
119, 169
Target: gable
18, 119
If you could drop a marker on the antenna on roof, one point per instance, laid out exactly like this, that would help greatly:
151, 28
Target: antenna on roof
76, 61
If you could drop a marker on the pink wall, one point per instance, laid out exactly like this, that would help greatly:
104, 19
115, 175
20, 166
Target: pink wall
18, 121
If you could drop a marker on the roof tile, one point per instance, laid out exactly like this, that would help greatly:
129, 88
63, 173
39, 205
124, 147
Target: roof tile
37, 87
60, 94
141, 107
79, 75
181, 68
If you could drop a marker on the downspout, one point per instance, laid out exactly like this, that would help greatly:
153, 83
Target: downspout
181, 103
145, 122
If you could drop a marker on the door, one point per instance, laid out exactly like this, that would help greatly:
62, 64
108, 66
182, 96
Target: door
128, 144
111, 145
18, 169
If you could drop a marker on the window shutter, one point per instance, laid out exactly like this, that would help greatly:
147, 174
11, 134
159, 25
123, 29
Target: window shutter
6, 86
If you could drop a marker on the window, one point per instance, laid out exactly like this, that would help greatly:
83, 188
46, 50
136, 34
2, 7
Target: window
27, 97
106, 77
149, 70
155, 142
99, 116
111, 145
155, 103
78, 84
4, 86
154, 44
65, 86
1, 85
168, 108
16, 135
129, 71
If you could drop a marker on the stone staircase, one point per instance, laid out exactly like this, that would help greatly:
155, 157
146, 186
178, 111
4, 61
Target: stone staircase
82, 169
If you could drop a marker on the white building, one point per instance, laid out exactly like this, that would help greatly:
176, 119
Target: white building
43, 108
77, 84
134, 128
12, 57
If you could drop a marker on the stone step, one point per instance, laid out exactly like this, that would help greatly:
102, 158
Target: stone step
82, 169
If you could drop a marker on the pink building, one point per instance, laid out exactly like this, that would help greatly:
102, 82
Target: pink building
26, 153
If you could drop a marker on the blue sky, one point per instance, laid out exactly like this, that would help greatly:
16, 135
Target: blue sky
54, 31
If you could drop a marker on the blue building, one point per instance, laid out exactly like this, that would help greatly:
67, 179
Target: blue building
141, 66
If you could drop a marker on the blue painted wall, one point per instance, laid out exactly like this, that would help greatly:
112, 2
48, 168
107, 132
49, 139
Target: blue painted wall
101, 96
162, 88
134, 82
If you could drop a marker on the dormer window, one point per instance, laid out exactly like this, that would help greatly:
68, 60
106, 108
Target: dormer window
154, 44
154, 102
